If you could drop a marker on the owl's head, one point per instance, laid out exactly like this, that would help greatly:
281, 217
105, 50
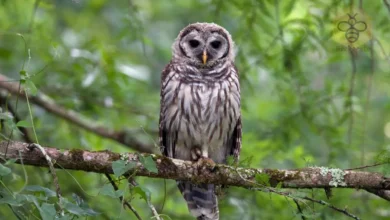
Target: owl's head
203, 44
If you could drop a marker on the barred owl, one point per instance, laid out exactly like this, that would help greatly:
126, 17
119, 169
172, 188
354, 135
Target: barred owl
200, 113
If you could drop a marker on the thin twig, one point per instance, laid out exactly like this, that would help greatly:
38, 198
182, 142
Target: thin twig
18, 85
344, 211
48, 159
123, 201
167, 192
368, 166
290, 195
384, 194
299, 209
164, 197
12, 130
321, 202
26, 133
132, 182
154, 211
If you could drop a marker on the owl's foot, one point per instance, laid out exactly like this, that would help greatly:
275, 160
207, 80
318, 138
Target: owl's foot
206, 163
196, 154
200, 160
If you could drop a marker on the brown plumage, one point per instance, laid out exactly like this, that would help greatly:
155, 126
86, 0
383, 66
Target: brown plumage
200, 113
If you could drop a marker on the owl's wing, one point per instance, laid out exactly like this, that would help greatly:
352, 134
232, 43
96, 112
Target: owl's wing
163, 138
167, 146
235, 144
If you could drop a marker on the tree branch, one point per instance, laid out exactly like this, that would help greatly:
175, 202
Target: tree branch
124, 137
169, 168
384, 194
25, 131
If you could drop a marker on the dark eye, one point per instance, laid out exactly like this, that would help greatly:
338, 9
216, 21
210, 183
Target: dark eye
194, 43
216, 44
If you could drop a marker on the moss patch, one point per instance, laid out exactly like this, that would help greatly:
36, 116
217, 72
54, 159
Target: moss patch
277, 176
77, 155
337, 176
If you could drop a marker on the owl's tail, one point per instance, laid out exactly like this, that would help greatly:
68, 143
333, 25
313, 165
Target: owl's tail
201, 200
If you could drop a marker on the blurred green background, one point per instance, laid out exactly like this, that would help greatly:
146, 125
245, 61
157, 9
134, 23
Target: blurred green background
306, 100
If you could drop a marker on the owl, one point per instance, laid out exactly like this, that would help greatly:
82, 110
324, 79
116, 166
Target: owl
200, 116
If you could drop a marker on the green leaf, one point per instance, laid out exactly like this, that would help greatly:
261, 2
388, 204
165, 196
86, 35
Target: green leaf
47, 211
74, 209
108, 190
30, 87
143, 192
10, 201
34, 188
89, 212
10, 161
4, 171
80, 202
120, 167
30, 198
263, 179
287, 8
148, 163
24, 124
246, 162
230, 160
23, 74
65, 217
299, 194
18, 199
77, 210
264, 8
279, 185
311, 215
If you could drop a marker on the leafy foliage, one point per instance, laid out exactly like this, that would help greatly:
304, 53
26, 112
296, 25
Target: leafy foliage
148, 163
120, 167
109, 191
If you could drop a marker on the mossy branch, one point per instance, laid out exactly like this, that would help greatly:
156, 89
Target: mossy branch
206, 172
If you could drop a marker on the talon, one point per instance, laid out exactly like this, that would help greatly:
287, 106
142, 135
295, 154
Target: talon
206, 163
196, 154
200, 160
31, 146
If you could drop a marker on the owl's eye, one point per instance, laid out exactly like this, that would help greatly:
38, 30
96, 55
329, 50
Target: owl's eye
194, 43
215, 44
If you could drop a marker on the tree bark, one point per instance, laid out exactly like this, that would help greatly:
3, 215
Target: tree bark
200, 172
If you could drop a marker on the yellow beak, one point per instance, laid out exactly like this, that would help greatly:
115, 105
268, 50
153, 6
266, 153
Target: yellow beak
204, 57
